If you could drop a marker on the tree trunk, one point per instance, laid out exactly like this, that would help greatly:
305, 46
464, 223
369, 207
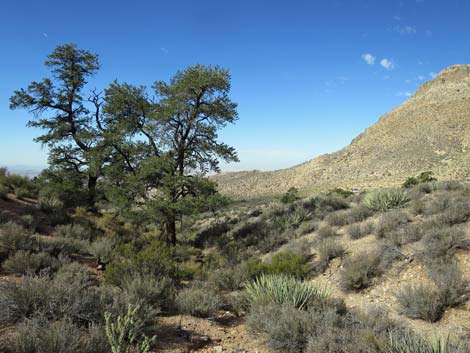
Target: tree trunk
92, 181
170, 229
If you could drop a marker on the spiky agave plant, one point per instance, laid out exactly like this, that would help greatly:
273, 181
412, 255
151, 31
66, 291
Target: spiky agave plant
282, 289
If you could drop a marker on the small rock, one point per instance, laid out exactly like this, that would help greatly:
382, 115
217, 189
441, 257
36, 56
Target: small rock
218, 349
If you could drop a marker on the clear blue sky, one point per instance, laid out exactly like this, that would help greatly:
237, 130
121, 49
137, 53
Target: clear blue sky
308, 75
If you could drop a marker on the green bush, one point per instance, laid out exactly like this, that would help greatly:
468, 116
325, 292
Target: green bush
23, 193
386, 199
155, 259
23, 262
449, 207
199, 301
281, 289
420, 302
49, 204
288, 263
290, 196
423, 177
102, 249
359, 271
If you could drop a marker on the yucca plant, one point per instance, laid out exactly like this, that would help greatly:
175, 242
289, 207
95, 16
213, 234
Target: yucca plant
122, 333
409, 343
281, 289
386, 199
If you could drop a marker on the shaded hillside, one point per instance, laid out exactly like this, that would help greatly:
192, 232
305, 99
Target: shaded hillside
430, 131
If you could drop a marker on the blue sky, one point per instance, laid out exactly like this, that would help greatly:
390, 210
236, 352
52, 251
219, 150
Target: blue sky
308, 75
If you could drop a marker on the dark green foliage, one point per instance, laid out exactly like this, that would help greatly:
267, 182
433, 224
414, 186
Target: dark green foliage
341, 192
155, 259
423, 177
3, 192
288, 263
199, 300
290, 196
23, 262
21, 186
420, 302
209, 235
360, 270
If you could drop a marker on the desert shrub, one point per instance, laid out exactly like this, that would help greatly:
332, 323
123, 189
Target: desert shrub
23, 193
24, 262
281, 289
14, 237
449, 207
3, 192
29, 222
250, 233
359, 230
16, 183
288, 263
284, 328
23, 299
199, 301
386, 199
95, 340
341, 192
210, 234
155, 259
230, 278
326, 232
66, 247
74, 231
390, 221
307, 227
344, 217
325, 204
359, 271
417, 206
102, 249
440, 243
452, 288
39, 335
290, 196
420, 302
329, 249
150, 292
423, 177
377, 319
411, 232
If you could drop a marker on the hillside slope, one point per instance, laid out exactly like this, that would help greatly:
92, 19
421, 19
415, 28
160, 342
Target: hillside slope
430, 131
